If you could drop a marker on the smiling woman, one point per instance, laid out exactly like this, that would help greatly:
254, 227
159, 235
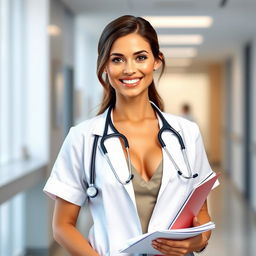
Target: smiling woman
119, 163
131, 67
141, 36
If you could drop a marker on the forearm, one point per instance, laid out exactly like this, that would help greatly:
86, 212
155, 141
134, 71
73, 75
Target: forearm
73, 241
204, 217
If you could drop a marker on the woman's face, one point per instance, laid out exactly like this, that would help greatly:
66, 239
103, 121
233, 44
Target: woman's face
130, 66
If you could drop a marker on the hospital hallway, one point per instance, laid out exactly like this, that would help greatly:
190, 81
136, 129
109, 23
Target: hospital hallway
49, 84
235, 232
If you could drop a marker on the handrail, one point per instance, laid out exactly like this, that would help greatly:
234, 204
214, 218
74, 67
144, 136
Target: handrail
19, 176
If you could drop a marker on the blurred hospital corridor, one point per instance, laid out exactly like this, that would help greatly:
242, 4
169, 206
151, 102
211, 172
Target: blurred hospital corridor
49, 83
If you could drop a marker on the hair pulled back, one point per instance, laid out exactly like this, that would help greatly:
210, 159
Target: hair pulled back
120, 27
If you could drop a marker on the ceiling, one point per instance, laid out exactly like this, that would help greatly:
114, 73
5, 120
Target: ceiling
234, 20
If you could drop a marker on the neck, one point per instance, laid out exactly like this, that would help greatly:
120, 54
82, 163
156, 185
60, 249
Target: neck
133, 110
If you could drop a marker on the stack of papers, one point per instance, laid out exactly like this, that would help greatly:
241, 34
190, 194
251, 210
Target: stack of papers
142, 243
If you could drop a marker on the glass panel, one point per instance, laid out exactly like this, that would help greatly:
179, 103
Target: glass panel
17, 74
11, 80
12, 226
4, 81
5, 229
18, 224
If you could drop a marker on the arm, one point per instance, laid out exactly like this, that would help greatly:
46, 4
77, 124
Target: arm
182, 247
65, 231
202, 218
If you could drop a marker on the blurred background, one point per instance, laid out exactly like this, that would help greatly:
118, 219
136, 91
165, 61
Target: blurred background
48, 52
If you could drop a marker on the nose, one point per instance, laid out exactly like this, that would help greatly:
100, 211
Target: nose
129, 68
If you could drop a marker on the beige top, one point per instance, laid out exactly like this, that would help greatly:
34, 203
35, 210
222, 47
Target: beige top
146, 194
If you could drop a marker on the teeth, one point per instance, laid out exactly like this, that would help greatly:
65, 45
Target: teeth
133, 81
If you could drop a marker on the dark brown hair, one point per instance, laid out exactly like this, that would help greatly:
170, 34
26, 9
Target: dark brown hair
119, 27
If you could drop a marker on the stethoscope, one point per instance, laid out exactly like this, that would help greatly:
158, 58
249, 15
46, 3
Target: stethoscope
92, 190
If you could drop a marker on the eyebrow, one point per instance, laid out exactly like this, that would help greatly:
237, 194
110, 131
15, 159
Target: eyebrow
136, 53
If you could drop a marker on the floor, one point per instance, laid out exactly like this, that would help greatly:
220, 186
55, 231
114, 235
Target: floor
235, 233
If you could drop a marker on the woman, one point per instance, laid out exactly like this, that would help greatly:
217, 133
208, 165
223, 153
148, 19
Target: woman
128, 55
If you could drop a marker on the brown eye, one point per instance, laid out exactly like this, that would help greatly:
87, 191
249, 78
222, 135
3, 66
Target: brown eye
117, 60
141, 57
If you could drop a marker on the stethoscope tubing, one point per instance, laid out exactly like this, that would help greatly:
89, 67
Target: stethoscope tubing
92, 191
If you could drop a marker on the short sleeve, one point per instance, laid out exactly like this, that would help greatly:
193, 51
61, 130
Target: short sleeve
67, 179
202, 165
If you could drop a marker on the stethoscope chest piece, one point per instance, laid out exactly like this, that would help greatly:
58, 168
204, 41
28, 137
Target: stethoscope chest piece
92, 191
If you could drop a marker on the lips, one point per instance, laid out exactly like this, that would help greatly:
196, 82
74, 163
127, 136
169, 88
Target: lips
133, 81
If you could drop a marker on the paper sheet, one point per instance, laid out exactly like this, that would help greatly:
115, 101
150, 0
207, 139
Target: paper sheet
142, 243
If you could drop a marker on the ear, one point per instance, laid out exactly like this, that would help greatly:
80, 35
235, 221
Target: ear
158, 62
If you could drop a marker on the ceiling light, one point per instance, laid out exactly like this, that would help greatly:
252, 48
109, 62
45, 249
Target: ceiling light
180, 39
180, 21
176, 52
53, 30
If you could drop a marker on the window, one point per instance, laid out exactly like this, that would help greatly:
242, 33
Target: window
12, 225
24, 115
11, 80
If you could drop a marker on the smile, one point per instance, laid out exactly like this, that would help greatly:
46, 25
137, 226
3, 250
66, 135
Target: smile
130, 81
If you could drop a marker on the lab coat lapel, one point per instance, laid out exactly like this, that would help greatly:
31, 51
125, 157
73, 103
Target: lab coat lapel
169, 171
172, 144
116, 156
159, 218
118, 160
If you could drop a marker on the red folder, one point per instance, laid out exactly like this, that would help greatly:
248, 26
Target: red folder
193, 203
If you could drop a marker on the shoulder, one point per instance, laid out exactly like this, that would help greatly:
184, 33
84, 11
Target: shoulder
88, 126
83, 131
182, 124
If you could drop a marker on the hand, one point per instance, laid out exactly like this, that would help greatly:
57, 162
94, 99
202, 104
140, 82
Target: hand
170, 247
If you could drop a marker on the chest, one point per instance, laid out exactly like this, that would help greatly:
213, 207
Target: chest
144, 147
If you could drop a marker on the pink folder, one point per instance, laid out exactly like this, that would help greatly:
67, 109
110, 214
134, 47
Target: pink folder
193, 204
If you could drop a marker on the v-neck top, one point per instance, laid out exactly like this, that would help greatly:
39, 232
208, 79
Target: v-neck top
146, 193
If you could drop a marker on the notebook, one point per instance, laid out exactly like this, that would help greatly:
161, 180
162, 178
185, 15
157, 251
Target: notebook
193, 203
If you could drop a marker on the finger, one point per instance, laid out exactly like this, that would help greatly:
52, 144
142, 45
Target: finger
168, 250
179, 244
167, 253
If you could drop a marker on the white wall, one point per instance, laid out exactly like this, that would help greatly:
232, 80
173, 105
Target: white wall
237, 171
61, 56
88, 88
37, 78
192, 88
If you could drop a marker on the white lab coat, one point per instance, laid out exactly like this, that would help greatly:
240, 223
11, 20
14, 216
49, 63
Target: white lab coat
114, 210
